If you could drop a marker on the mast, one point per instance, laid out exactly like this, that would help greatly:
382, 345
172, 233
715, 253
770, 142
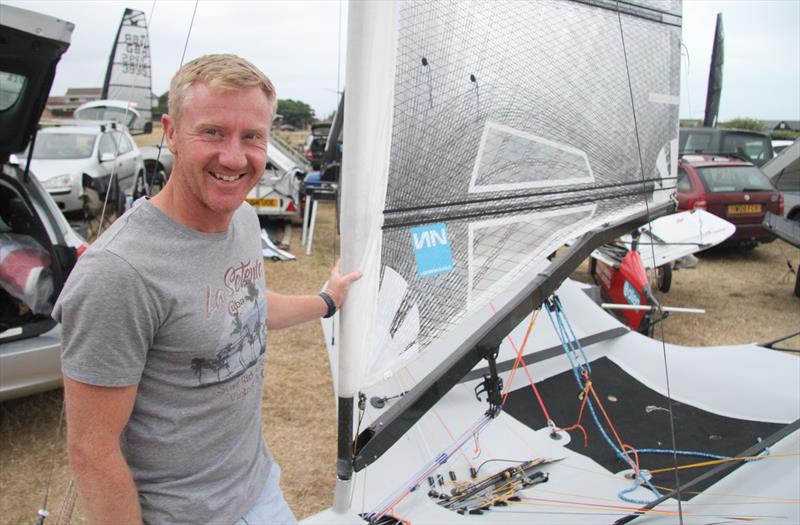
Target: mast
365, 166
714, 92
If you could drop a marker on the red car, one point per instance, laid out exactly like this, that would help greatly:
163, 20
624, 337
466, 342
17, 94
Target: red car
733, 189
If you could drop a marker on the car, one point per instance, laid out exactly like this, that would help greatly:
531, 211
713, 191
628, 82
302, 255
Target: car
121, 111
38, 248
75, 164
745, 144
277, 193
158, 162
314, 146
732, 189
784, 172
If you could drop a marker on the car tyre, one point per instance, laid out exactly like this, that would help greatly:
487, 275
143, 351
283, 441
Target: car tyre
664, 277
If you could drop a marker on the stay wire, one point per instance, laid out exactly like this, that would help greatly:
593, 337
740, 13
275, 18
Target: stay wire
647, 208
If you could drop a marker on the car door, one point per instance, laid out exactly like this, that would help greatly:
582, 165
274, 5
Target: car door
108, 145
126, 161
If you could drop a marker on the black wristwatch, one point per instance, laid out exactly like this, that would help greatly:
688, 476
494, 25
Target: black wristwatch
329, 302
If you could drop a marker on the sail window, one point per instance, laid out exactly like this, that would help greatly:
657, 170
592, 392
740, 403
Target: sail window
499, 249
511, 159
11, 87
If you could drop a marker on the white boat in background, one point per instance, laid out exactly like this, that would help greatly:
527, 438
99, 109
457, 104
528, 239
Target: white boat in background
480, 137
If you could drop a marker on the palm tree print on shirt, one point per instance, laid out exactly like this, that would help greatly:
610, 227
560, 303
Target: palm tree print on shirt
240, 345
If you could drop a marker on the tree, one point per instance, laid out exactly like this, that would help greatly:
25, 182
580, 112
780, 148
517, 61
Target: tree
161, 108
743, 123
295, 112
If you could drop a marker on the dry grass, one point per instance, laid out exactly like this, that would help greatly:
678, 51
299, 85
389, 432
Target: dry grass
747, 294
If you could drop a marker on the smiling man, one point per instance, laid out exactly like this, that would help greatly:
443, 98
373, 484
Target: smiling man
165, 321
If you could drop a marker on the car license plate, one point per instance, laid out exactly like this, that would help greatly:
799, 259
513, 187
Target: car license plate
263, 203
743, 209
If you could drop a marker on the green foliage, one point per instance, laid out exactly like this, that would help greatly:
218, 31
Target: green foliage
295, 112
785, 134
743, 123
160, 108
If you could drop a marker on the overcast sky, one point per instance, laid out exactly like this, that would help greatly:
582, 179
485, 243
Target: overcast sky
297, 44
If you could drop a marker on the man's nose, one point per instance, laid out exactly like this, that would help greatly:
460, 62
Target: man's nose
232, 155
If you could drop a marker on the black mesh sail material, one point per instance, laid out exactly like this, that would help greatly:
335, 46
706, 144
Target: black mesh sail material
517, 126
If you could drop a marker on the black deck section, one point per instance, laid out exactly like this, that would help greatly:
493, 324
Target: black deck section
696, 429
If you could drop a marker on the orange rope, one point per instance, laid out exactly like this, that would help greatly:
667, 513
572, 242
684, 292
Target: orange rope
519, 351
635, 463
578, 424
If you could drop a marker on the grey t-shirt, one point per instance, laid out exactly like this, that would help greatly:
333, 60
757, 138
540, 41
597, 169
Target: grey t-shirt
182, 314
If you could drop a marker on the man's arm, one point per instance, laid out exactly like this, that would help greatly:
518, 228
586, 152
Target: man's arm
96, 416
288, 310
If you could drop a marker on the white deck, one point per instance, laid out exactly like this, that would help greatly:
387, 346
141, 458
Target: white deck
744, 381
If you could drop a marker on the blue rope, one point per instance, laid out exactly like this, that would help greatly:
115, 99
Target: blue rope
572, 347
555, 311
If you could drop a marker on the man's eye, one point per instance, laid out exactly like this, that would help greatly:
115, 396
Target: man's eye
212, 132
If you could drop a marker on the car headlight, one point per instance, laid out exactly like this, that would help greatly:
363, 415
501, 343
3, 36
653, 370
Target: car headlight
58, 182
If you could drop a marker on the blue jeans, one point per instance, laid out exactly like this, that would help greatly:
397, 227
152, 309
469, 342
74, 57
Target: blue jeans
270, 508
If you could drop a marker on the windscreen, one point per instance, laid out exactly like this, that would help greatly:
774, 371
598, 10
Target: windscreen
63, 146
734, 178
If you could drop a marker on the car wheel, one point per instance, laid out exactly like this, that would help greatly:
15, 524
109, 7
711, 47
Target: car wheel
96, 218
155, 176
664, 277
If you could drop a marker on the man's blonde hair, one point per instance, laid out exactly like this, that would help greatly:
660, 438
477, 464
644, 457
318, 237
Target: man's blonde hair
221, 71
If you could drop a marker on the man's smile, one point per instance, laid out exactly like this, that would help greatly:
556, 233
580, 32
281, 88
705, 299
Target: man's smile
226, 178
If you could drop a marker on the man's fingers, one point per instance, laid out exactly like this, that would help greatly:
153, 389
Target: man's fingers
352, 277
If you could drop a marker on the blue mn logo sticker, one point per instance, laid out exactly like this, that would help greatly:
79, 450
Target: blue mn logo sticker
432, 249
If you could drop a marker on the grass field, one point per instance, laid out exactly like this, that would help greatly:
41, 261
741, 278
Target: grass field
748, 296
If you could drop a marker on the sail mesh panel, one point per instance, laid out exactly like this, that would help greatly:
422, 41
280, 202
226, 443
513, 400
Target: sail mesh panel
514, 127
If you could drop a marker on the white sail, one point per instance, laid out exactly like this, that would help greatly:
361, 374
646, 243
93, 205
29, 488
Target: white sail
485, 136
128, 75
479, 138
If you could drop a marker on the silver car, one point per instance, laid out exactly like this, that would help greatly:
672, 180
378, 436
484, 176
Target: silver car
38, 248
75, 164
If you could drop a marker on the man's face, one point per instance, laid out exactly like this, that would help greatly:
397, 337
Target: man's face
220, 148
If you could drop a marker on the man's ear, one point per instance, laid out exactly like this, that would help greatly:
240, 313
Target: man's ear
169, 132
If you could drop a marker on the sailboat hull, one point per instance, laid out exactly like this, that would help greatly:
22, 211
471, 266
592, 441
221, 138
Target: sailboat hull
580, 488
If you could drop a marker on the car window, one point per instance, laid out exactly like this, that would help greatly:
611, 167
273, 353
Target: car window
697, 142
757, 149
121, 115
720, 179
684, 182
123, 142
12, 86
107, 144
63, 146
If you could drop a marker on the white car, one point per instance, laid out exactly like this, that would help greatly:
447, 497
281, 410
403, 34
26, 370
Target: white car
277, 194
78, 163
